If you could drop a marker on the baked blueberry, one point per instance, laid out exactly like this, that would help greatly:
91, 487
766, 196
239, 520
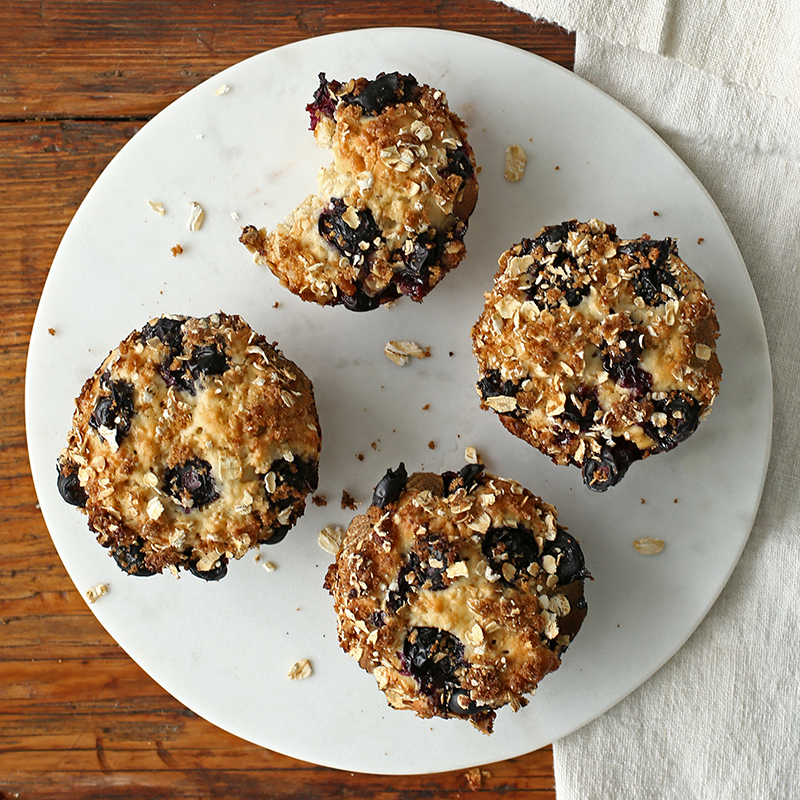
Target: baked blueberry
458, 592
597, 351
194, 441
391, 211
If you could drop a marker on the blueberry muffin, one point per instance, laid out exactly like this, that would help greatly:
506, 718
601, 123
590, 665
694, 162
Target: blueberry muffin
596, 350
392, 208
194, 441
459, 592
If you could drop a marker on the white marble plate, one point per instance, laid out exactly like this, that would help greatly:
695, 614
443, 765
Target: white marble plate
224, 649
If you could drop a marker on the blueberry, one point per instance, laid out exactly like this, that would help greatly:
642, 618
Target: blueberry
278, 535
455, 707
492, 385
214, 574
355, 243
570, 565
191, 484
390, 486
466, 478
621, 363
458, 163
207, 360
323, 104
682, 418
169, 331
297, 474
388, 89
581, 406
507, 545
652, 273
434, 658
130, 559
608, 467
69, 487
360, 301
114, 410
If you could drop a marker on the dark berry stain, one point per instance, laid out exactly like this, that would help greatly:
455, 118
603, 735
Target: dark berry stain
191, 484
492, 385
581, 406
390, 486
115, 409
169, 331
356, 243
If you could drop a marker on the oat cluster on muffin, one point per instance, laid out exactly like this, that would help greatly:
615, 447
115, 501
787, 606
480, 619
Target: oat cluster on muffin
598, 351
459, 592
194, 441
391, 210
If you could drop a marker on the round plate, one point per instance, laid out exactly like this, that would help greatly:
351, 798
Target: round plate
246, 156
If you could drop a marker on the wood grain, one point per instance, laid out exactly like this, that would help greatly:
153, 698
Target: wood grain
78, 719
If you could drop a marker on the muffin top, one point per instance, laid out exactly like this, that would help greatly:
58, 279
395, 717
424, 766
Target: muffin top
596, 350
459, 592
194, 441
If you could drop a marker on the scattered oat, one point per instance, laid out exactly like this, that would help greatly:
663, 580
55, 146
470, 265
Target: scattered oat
648, 547
157, 207
97, 592
475, 778
269, 566
196, 215
300, 669
234, 215
51, 331
330, 539
472, 456
199, 136
515, 163
319, 500
176, 251
399, 352
348, 501
224, 89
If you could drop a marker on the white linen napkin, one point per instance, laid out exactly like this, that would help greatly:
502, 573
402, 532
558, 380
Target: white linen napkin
719, 80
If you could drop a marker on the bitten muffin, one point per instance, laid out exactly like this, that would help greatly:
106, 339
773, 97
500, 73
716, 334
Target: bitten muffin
596, 350
391, 211
194, 441
459, 592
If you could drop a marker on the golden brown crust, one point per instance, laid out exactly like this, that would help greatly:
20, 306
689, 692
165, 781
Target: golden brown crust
480, 573
392, 178
194, 441
598, 351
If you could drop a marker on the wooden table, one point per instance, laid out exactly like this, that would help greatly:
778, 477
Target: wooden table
78, 718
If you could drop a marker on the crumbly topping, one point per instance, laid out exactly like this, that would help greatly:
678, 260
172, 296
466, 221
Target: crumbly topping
588, 341
96, 592
466, 564
515, 163
300, 670
647, 546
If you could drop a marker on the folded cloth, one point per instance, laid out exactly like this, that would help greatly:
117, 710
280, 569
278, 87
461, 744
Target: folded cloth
722, 718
